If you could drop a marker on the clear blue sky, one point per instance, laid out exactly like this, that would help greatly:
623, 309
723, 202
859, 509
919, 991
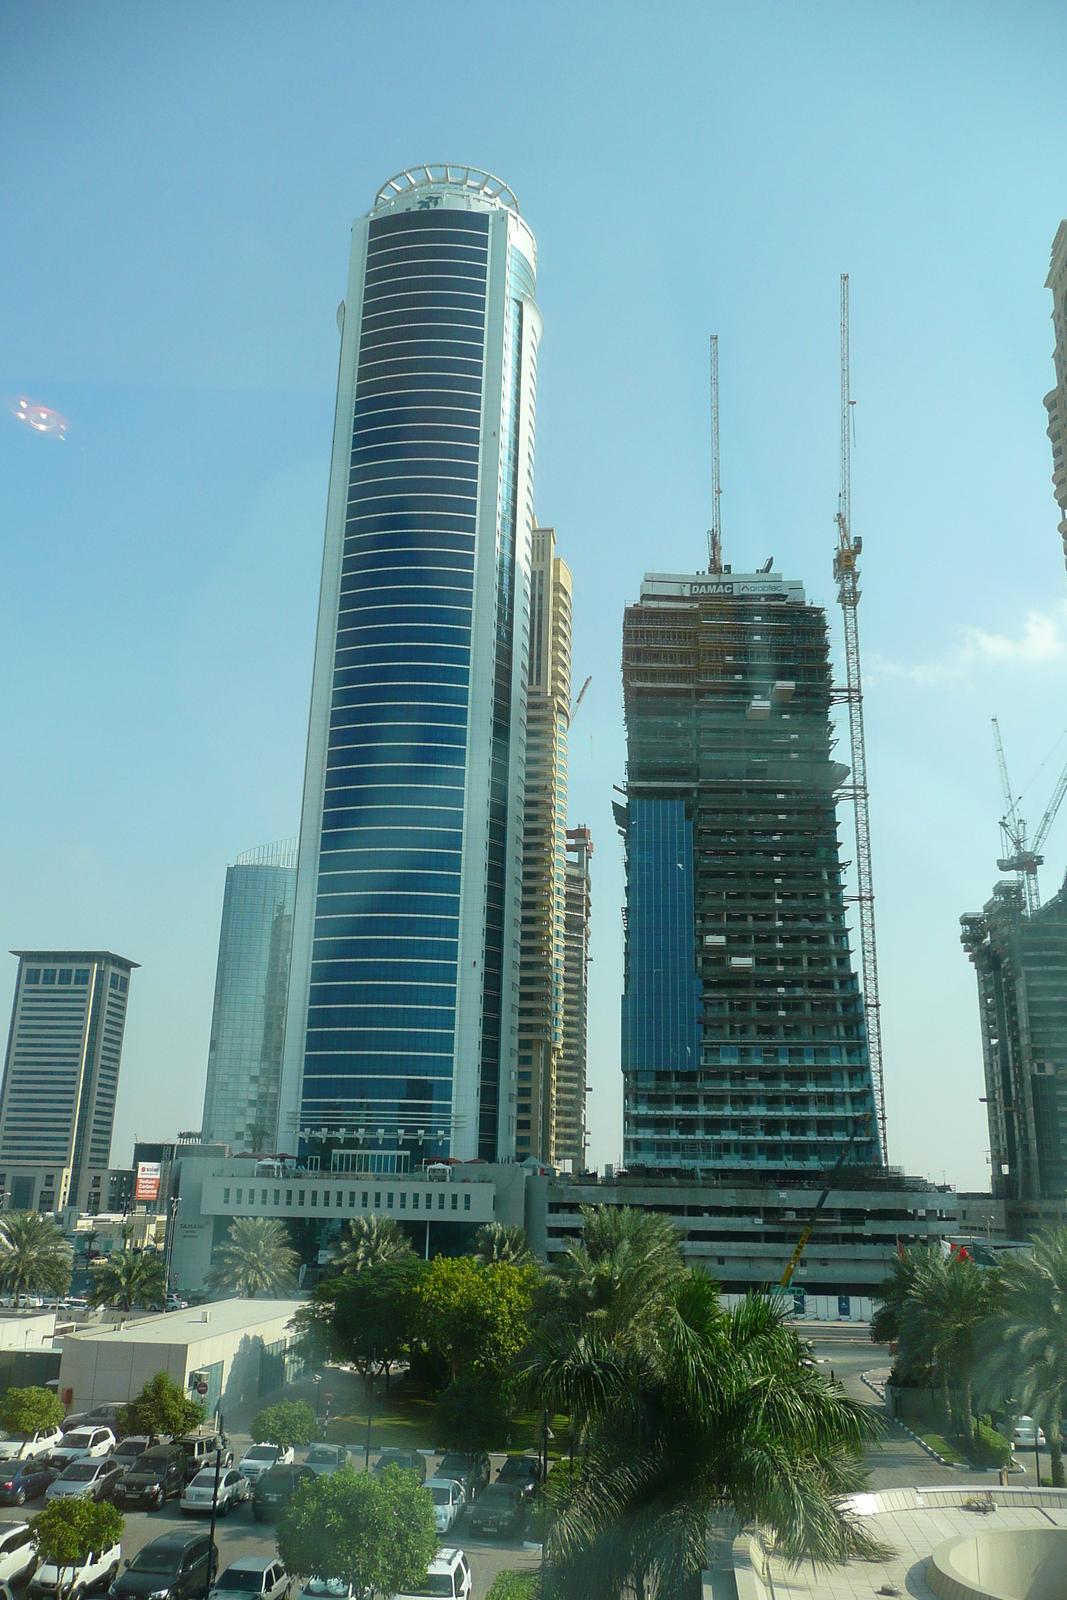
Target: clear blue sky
176, 188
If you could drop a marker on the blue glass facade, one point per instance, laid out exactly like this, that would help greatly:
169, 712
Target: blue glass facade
661, 1005
403, 901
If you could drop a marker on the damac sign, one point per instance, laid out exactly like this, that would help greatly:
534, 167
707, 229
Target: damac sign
769, 591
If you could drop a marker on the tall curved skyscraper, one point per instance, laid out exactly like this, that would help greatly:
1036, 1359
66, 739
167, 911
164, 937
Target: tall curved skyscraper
403, 1001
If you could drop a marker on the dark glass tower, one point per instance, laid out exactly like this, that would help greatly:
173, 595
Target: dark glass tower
743, 1039
401, 1032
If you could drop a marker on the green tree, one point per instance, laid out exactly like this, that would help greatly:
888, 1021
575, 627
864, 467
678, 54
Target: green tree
34, 1256
370, 1240
23, 1411
471, 1415
613, 1278
948, 1307
68, 1531
128, 1278
257, 1256
290, 1422
161, 1407
1026, 1342
709, 1409
502, 1241
368, 1531
476, 1316
368, 1317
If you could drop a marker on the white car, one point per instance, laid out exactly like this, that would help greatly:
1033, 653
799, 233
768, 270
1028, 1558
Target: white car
261, 1457
1024, 1433
326, 1458
254, 1578
20, 1446
448, 1498
18, 1553
100, 1568
328, 1589
449, 1578
233, 1489
82, 1444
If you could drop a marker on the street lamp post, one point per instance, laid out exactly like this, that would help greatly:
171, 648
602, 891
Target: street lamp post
214, 1507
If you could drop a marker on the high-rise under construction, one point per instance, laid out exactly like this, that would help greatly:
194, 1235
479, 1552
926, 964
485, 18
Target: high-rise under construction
743, 1037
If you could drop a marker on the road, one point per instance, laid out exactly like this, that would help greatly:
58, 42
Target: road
237, 1535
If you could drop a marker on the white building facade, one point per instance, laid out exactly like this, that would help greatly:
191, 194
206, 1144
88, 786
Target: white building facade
403, 1000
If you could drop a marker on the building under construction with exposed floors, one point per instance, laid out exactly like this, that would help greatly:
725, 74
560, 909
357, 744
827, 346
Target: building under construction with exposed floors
744, 1045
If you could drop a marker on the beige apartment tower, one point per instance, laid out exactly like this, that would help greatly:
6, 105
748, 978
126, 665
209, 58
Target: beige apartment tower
544, 854
570, 1074
1056, 399
61, 1077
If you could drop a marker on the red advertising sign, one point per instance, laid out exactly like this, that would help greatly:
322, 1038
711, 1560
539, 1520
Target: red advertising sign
148, 1173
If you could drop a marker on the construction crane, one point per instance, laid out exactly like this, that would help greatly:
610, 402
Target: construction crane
715, 531
846, 573
794, 1259
1018, 857
581, 696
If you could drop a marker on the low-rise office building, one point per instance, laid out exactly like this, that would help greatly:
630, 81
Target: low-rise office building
244, 1348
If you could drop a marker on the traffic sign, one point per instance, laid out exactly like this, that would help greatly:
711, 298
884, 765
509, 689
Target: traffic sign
201, 1387
327, 1395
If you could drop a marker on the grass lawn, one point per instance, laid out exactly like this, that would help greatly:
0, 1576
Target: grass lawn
405, 1416
938, 1442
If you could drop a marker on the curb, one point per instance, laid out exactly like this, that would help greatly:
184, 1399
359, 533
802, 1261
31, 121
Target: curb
911, 1435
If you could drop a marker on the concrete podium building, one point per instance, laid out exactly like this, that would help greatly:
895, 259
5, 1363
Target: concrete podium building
401, 1032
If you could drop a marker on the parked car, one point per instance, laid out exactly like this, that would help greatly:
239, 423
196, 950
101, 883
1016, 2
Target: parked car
176, 1565
19, 1446
86, 1480
448, 1499
448, 1578
102, 1416
175, 1303
522, 1473
18, 1553
499, 1509
407, 1460
274, 1491
156, 1476
84, 1444
1023, 1433
326, 1589
48, 1582
25, 1480
201, 1450
264, 1576
199, 1495
472, 1471
261, 1457
326, 1458
129, 1451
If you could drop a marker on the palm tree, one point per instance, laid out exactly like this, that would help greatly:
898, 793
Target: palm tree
948, 1308
502, 1241
1027, 1341
614, 1277
370, 1240
708, 1409
34, 1256
128, 1278
257, 1256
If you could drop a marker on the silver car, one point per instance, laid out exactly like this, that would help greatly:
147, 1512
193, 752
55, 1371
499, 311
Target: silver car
85, 1480
326, 1458
198, 1495
258, 1577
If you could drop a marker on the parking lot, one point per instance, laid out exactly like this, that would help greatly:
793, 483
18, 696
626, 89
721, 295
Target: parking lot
238, 1535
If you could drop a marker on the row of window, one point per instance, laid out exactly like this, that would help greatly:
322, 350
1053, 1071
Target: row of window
60, 975
455, 440
309, 1198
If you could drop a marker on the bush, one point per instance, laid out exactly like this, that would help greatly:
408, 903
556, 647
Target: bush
513, 1585
26, 1410
470, 1415
370, 1532
290, 1422
990, 1448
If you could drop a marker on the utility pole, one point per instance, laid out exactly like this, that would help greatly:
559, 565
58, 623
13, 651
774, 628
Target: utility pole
846, 573
715, 531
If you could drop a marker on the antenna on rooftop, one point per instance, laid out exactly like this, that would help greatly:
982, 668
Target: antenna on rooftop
715, 531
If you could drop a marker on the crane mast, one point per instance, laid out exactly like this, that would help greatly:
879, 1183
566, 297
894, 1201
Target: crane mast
848, 592
715, 531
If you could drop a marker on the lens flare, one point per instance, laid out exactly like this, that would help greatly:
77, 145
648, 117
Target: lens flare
42, 419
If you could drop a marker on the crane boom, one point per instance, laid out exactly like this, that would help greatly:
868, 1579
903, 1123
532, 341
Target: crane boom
848, 592
794, 1259
581, 696
715, 531
1050, 814
1018, 857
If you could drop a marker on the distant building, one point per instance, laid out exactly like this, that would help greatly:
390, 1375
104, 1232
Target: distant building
61, 1077
1056, 399
544, 861
1020, 961
571, 1072
743, 1038
244, 1064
